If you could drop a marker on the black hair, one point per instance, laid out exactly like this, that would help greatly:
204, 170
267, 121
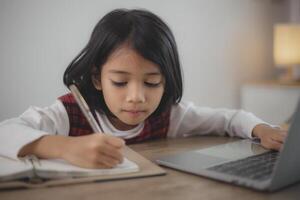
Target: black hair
147, 34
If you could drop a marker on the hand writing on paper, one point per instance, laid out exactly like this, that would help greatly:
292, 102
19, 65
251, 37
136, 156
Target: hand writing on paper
94, 151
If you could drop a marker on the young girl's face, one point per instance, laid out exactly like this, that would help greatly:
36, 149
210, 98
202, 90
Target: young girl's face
132, 87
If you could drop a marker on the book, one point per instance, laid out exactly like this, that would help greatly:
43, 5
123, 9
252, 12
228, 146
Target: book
21, 174
32, 168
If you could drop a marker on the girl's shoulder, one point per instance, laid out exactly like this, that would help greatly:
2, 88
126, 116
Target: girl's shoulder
182, 106
67, 98
70, 105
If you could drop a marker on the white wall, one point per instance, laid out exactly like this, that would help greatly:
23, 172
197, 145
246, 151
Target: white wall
221, 44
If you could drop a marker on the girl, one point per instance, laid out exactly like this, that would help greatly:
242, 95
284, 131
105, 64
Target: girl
129, 73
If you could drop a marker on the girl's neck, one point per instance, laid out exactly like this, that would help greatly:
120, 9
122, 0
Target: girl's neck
118, 124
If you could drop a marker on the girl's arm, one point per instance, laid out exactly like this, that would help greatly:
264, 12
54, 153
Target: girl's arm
188, 119
31, 125
92, 151
43, 132
48, 146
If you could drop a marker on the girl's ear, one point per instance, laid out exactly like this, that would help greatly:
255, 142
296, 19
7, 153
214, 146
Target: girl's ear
96, 82
96, 79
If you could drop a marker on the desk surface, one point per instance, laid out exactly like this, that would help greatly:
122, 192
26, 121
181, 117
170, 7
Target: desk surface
174, 185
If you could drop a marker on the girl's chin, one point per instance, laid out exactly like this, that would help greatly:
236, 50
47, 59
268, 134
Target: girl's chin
126, 124
131, 123
127, 120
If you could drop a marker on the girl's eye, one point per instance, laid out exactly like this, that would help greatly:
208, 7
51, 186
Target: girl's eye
119, 84
124, 83
152, 84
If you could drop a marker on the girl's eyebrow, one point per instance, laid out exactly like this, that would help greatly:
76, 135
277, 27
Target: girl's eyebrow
127, 73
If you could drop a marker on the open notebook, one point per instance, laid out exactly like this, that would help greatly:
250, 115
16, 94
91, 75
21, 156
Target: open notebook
33, 168
33, 173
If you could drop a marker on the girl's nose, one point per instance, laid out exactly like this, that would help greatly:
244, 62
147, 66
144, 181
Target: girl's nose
136, 94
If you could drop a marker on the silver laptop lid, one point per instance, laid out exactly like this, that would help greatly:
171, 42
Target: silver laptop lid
287, 168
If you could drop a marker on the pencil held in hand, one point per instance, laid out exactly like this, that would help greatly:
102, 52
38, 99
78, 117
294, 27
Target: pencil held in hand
85, 109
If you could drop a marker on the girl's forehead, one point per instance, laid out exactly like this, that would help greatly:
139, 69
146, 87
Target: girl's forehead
128, 60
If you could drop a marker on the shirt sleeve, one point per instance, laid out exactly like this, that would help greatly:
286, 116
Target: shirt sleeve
34, 123
187, 119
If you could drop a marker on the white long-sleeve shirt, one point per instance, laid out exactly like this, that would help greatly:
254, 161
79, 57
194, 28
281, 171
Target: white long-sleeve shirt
186, 119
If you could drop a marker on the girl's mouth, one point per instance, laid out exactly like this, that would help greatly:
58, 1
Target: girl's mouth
134, 113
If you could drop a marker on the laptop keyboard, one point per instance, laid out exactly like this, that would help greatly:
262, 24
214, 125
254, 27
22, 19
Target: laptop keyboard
258, 167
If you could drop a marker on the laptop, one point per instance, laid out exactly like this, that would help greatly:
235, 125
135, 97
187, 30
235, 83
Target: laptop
245, 162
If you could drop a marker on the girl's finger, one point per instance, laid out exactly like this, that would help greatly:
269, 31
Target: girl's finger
112, 152
107, 161
273, 144
116, 142
279, 137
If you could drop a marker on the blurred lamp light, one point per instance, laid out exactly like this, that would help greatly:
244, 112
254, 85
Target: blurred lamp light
287, 50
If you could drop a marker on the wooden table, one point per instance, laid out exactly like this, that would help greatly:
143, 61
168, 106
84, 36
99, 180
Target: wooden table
174, 185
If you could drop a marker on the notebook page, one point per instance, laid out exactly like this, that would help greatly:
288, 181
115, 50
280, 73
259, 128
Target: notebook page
54, 168
13, 169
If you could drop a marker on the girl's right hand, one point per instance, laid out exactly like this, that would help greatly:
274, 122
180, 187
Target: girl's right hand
94, 151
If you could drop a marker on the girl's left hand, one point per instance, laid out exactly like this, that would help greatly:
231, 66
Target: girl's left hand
270, 138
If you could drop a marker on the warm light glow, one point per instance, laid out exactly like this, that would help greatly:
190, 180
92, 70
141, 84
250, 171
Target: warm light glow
287, 45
